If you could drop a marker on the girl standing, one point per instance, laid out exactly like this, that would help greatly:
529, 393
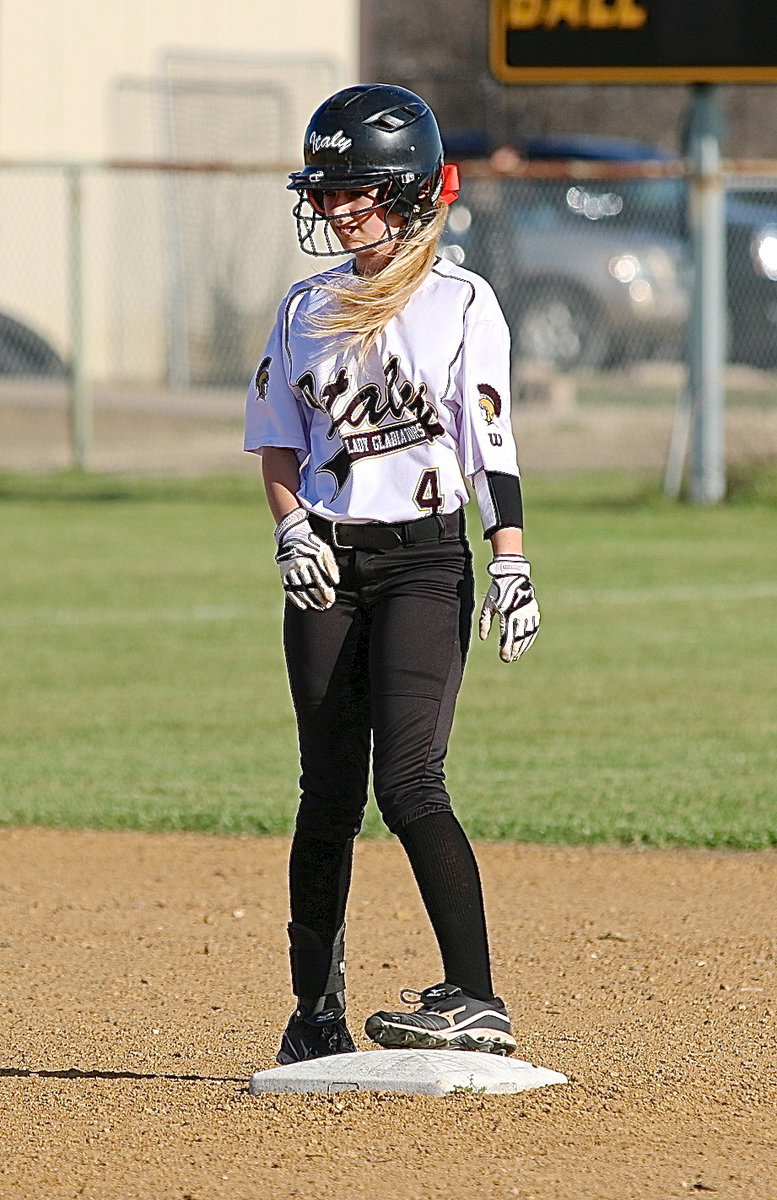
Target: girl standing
384, 384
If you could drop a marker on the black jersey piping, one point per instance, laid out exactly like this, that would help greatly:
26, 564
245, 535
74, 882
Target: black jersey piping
287, 319
305, 285
468, 304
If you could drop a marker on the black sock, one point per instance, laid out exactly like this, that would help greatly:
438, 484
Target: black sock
319, 880
449, 881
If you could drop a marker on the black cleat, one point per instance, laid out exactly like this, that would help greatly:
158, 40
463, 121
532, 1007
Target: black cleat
447, 1019
314, 1036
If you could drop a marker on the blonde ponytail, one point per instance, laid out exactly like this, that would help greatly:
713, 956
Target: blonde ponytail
364, 304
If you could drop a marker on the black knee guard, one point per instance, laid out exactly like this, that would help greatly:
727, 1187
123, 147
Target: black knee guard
317, 969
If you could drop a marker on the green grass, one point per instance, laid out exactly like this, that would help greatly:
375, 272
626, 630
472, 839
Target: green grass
143, 683
619, 388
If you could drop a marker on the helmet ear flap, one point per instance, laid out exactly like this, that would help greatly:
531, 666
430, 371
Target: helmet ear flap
418, 194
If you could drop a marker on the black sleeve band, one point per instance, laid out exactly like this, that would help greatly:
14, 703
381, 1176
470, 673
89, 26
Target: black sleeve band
506, 501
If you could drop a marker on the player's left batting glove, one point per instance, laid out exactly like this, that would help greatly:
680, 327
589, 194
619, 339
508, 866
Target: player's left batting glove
511, 595
308, 569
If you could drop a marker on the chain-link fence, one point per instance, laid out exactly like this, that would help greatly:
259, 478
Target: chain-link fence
595, 270
591, 273
144, 292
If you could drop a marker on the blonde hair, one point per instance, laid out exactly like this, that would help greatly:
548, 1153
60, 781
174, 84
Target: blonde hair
364, 304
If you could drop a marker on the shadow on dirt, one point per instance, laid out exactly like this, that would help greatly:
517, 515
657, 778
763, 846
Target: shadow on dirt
78, 1073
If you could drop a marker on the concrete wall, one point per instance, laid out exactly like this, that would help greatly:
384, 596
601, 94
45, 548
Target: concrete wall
60, 58
67, 67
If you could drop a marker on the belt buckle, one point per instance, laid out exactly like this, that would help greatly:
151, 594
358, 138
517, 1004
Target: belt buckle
337, 544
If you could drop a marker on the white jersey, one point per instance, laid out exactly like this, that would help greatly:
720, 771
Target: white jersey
390, 439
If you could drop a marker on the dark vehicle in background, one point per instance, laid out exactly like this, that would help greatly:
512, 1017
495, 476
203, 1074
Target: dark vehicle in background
23, 352
593, 272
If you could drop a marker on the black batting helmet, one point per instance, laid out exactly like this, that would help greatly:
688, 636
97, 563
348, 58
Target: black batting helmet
370, 135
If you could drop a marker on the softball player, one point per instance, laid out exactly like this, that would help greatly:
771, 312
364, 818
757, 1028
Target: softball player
384, 384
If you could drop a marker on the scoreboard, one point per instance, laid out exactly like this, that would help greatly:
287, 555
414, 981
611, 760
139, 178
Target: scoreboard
634, 41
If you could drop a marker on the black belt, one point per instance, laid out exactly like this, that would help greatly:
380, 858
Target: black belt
346, 535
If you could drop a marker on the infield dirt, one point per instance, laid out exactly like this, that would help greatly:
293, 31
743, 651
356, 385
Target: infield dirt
145, 978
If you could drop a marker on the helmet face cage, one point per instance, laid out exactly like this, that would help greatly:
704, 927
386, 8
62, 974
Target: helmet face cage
364, 137
316, 235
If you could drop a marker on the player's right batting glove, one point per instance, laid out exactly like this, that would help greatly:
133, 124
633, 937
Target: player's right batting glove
308, 569
511, 595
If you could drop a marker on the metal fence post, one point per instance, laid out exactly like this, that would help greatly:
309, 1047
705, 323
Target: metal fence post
80, 405
707, 347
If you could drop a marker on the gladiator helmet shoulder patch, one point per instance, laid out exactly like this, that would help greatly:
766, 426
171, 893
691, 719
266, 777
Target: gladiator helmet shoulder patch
490, 402
263, 377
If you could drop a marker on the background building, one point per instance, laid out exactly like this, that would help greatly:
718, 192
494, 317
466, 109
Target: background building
441, 50
62, 61
165, 267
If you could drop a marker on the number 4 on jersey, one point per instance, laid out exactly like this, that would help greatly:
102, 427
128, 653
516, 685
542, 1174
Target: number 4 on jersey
427, 494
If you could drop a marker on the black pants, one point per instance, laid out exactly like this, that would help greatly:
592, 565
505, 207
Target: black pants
380, 671
382, 665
